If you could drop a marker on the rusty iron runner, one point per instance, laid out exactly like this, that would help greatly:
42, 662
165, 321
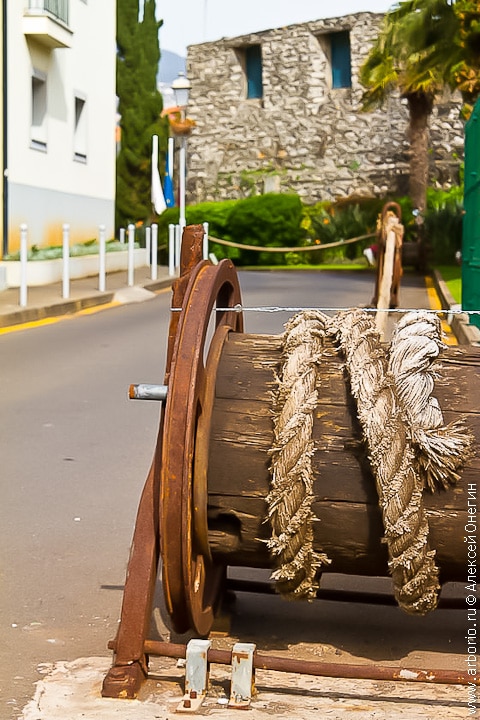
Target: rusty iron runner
318, 669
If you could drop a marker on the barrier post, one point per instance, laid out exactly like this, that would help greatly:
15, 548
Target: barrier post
23, 264
171, 250
102, 259
153, 270
205, 241
148, 245
66, 261
131, 241
178, 244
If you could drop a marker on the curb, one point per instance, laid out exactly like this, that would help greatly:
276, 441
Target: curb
69, 307
465, 333
27, 315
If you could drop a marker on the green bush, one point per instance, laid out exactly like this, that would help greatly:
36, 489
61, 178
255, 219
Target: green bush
443, 223
328, 222
280, 220
270, 220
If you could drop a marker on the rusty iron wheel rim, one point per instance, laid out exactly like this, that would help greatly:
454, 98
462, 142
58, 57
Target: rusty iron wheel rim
191, 583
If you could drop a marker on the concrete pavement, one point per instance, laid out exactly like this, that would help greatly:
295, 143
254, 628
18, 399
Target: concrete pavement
72, 689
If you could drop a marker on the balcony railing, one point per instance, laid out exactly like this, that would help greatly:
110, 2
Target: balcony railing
55, 8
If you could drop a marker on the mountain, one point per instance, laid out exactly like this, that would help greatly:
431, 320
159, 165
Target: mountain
169, 67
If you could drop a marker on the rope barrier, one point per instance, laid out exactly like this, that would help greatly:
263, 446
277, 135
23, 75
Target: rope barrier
307, 248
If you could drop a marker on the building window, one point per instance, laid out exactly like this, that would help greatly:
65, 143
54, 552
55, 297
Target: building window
253, 67
250, 58
80, 130
38, 132
340, 59
56, 8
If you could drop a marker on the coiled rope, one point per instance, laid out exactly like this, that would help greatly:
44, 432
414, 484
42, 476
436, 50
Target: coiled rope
409, 447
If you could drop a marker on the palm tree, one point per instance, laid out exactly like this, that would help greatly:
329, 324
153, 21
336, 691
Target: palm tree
457, 49
398, 62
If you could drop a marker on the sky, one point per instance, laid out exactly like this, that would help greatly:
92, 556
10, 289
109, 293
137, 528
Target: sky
188, 22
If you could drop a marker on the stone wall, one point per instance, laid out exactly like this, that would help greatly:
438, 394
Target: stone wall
302, 136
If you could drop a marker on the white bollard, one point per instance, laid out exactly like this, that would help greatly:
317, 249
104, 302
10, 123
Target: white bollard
101, 259
205, 241
122, 235
23, 264
178, 245
148, 246
171, 250
153, 271
131, 241
66, 261
182, 172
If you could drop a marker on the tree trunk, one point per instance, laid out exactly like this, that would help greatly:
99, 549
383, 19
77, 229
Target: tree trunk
420, 106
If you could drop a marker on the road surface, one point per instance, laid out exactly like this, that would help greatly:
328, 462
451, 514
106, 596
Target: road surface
74, 456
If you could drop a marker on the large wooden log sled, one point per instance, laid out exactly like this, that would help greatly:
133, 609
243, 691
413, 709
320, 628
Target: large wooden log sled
319, 450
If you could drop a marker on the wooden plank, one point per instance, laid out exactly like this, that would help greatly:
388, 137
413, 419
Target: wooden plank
350, 533
242, 433
248, 366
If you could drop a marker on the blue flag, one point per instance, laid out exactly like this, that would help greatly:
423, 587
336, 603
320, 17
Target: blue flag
167, 181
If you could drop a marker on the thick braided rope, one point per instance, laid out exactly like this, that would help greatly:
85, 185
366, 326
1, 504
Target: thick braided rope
409, 446
291, 496
392, 458
440, 449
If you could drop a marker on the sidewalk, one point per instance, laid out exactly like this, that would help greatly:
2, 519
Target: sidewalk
46, 301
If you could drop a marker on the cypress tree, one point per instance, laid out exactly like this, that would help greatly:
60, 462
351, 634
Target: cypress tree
139, 105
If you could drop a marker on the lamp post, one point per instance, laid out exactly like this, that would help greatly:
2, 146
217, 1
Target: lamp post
181, 87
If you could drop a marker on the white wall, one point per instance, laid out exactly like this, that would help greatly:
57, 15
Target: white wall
71, 191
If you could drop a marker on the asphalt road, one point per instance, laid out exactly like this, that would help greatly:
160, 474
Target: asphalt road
74, 456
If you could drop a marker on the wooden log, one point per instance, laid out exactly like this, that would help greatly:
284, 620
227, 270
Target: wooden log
349, 527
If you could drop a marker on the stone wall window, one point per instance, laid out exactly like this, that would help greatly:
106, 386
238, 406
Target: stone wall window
336, 46
341, 59
251, 61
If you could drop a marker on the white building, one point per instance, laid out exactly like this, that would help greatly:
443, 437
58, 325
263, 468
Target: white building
59, 124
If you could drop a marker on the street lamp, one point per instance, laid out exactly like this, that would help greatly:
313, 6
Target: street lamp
181, 87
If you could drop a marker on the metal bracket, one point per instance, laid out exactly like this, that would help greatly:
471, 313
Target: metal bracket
196, 676
147, 391
243, 676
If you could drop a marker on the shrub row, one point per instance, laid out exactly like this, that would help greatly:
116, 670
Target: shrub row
281, 220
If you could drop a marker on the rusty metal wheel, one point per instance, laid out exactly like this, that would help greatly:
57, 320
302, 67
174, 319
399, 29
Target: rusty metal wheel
191, 582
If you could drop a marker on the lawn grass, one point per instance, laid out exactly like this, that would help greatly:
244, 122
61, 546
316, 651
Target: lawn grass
452, 276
